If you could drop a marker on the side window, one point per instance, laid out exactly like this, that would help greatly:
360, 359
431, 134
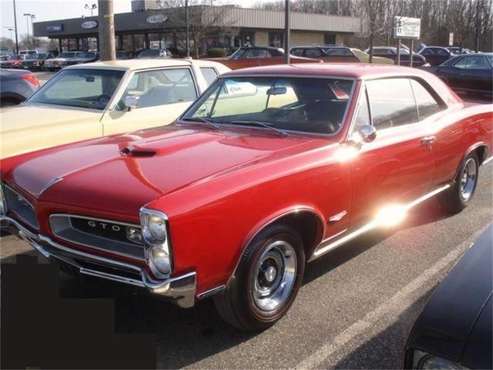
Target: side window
441, 52
338, 52
209, 74
161, 87
472, 62
297, 52
313, 53
392, 102
426, 103
427, 52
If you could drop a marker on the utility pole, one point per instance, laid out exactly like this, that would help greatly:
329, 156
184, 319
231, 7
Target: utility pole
16, 33
106, 30
287, 12
187, 29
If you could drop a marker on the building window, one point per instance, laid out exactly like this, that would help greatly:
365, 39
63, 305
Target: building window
275, 39
330, 39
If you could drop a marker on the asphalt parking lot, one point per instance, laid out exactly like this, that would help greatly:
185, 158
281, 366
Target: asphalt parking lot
354, 310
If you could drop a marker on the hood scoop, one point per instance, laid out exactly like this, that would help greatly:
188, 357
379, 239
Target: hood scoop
136, 151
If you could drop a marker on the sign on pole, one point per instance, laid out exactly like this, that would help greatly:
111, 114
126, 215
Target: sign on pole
451, 39
407, 28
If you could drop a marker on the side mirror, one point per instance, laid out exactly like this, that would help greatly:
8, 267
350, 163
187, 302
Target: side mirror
367, 133
364, 134
131, 102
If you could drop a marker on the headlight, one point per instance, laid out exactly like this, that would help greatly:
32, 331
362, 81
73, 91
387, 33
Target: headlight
155, 233
425, 361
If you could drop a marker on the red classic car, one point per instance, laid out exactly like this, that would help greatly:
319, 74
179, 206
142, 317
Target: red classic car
270, 168
257, 56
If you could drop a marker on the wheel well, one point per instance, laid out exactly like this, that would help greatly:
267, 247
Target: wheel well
482, 153
308, 225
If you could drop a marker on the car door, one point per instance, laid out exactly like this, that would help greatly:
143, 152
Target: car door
395, 167
151, 98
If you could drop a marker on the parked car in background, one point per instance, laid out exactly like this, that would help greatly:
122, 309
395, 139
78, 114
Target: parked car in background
69, 58
11, 61
15, 87
123, 55
457, 50
454, 331
469, 73
153, 53
170, 209
105, 98
391, 53
35, 61
259, 56
337, 54
436, 55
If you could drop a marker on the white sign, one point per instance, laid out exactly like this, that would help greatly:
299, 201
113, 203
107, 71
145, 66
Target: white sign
157, 18
451, 39
407, 28
88, 25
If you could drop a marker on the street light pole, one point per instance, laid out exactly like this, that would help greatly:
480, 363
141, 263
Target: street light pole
187, 27
16, 33
286, 31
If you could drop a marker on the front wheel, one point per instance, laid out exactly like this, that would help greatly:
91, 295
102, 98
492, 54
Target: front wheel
461, 193
266, 282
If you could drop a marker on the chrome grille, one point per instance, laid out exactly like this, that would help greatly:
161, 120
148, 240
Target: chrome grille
20, 207
101, 234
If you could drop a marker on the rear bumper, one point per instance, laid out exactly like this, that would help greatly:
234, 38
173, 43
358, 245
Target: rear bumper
181, 289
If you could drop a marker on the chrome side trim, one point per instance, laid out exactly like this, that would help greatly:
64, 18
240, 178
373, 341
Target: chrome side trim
337, 217
327, 245
211, 292
181, 289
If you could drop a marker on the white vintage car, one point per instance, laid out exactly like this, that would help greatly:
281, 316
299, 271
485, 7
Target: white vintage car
104, 98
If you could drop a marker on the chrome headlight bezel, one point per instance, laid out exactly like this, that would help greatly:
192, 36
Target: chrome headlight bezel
155, 233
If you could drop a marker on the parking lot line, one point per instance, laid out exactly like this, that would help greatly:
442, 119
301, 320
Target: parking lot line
395, 305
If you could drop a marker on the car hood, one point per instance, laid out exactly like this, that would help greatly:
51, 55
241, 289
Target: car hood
125, 172
29, 116
450, 319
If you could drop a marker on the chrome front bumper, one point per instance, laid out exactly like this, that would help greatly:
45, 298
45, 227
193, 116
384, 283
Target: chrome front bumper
181, 289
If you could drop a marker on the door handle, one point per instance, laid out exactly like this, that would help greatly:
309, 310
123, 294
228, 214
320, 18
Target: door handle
428, 140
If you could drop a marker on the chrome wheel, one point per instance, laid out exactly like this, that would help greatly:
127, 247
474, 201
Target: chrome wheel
274, 276
468, 179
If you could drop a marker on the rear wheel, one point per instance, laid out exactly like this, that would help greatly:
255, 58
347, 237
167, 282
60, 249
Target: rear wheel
266, 281
462, 191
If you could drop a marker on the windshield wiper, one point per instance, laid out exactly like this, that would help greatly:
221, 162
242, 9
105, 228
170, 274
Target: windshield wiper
203, 120
261, 124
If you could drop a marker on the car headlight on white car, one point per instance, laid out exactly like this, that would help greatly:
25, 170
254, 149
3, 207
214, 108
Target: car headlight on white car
155, 234
426, 361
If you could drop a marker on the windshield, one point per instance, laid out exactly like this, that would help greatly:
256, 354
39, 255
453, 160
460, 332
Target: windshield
315, 105
81, 88
237, 54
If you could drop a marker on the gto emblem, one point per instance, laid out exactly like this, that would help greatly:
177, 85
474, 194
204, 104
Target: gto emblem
103, 225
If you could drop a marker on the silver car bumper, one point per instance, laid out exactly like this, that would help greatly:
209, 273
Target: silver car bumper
180, 289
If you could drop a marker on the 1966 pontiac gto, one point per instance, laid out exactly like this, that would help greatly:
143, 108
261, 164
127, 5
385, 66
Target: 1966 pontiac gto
270, 168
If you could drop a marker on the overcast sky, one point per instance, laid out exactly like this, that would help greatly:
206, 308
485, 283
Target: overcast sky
45, 10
